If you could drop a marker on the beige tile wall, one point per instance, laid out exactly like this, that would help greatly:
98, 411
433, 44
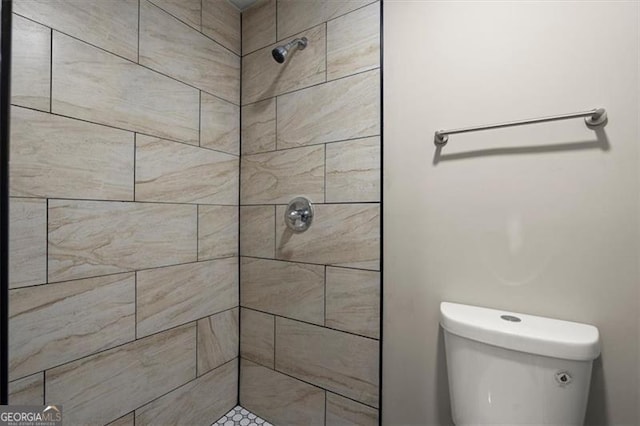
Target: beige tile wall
124, 211
125, 182
310, 302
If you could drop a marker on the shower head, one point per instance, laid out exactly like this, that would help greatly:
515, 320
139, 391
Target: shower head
280, 53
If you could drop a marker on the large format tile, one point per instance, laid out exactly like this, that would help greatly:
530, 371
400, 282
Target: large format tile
337, 361
174, 295
89, 238
353, 42
258, 26
111, 25
27, 242
58, 157
262, 77
173, 48
47, 328
108, 385
341, 235
217, 231
257, 231
353, 301
353, 171
30, 64
96, 86
259, 127
345, 412
221, 22
295, 15
279, 176
293, 290
175, 172
219, 124
257, 337
188, 11
199, 402
278, 398
27, 391
218, 340
343, 109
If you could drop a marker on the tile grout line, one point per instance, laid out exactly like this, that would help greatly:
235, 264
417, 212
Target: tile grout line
200, 118
277, 40
181, 385
129, 60
309, 323
192, 323
357, 138
160, 203
326, 51
297, 262
201, 31
123, 272
125, 130
325, 407
321, 388
376, 68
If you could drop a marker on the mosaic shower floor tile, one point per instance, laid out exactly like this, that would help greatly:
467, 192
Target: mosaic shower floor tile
239, 416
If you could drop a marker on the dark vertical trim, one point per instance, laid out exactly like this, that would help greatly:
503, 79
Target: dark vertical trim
135, 304
139, 30
381, 331
325, 173
46, 248
51, 70
324, 322
135, 154
197, 325
239, 214
5, 95
197, 232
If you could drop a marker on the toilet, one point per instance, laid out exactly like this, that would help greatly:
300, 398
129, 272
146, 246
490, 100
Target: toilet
506, 368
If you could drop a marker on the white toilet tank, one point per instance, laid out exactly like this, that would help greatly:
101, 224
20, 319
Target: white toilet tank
506, 368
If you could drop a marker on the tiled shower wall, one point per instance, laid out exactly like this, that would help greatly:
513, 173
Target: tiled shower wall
310, 302
124, 216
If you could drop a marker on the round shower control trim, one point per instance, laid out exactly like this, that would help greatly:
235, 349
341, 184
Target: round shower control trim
299, 214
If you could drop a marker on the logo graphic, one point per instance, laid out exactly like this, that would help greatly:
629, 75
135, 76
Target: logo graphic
30, 415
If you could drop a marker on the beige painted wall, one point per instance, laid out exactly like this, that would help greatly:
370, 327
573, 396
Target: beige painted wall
125, 144
540, 219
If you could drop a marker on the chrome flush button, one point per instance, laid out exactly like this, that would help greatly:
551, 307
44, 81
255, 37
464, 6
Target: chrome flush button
563, 377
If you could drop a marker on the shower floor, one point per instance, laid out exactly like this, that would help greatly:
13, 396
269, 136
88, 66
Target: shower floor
239, 416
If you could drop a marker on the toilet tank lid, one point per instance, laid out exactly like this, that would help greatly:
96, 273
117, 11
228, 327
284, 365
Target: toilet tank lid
521, 332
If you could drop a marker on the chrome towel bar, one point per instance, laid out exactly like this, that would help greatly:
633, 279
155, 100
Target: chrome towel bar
594, 118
